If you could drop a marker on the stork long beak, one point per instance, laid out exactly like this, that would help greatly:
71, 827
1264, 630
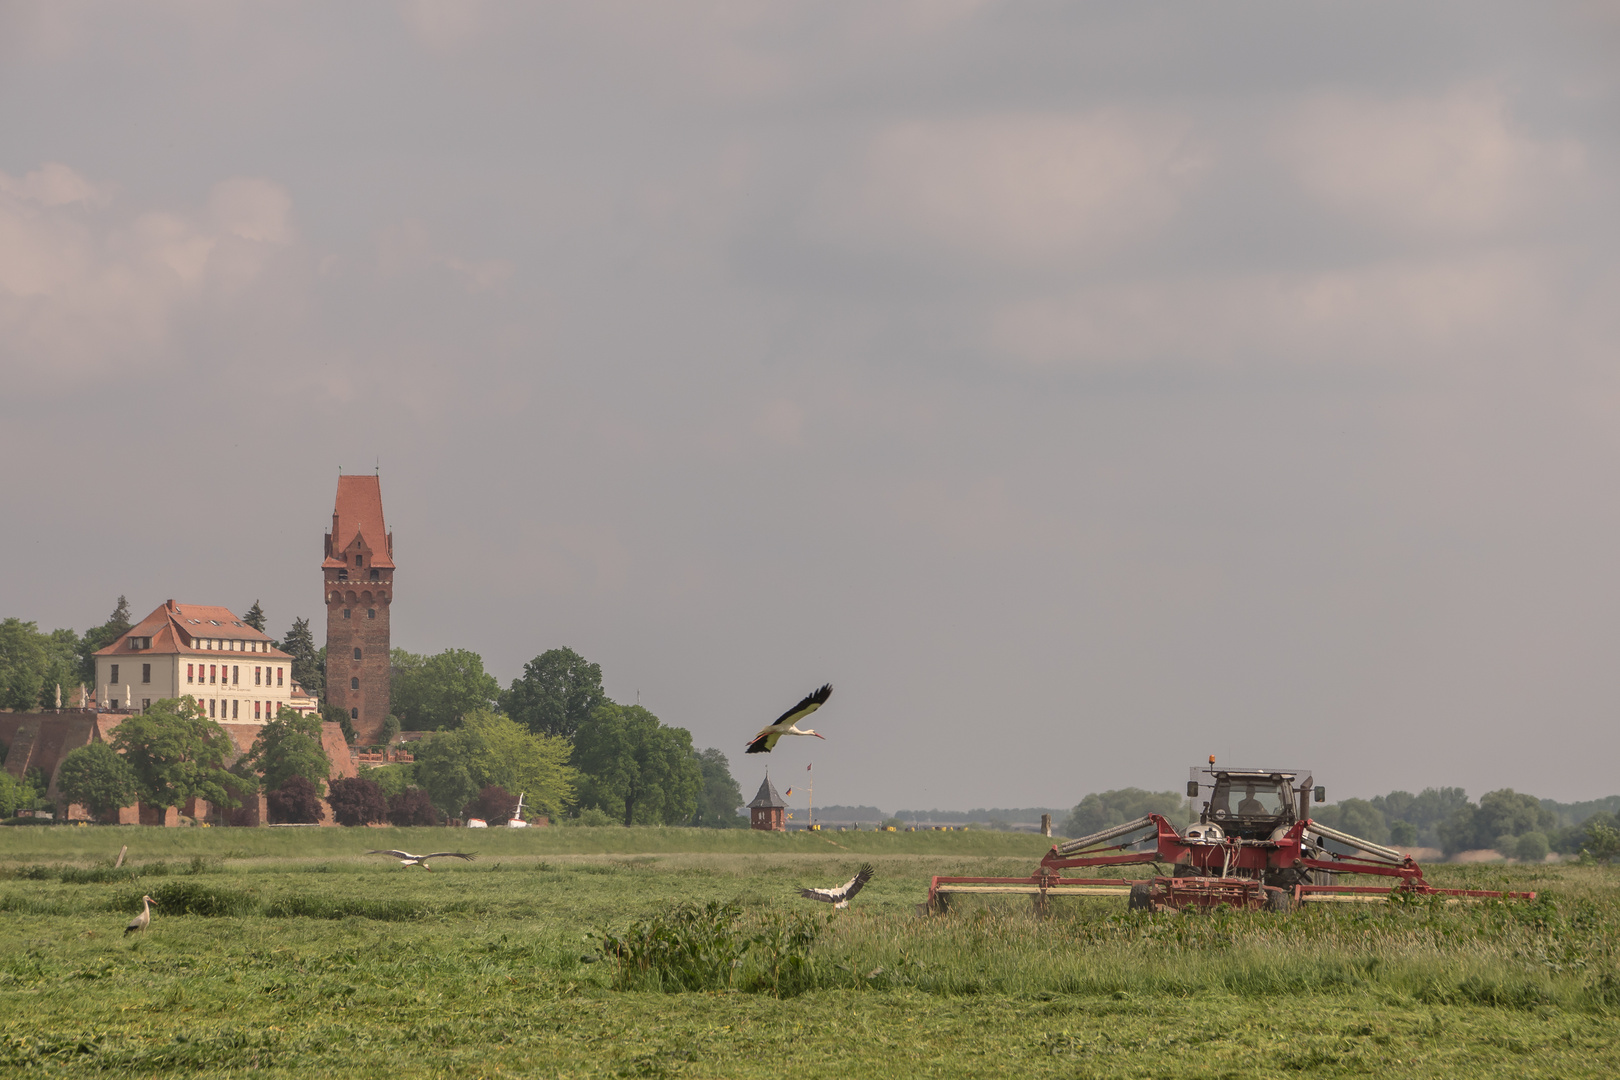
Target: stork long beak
819, 735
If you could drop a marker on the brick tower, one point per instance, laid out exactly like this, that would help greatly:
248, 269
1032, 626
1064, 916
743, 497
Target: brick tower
359, 573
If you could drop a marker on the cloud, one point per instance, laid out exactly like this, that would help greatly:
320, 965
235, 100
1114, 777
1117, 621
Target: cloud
1015, 188
88, 286
1448, 164
1376, 316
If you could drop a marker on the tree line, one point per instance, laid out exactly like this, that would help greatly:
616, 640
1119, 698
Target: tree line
1513, 824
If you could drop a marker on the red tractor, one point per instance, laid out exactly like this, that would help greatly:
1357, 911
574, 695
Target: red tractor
1254, 846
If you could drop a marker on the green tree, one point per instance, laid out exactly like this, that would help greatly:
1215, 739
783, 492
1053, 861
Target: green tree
95, 777
255, 617
1358, 817
178, 753
289, 745
1099, 811
442, 770
558, 692
720, 797
99, 638
61, 667
1530, 847
1602, 838
491, 749
307, 667
1424, 811
23, 660
12, 794
433, 693
636, 769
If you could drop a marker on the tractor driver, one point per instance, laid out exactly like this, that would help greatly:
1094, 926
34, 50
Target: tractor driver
1250, 806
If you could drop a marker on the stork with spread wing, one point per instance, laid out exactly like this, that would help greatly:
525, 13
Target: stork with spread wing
841, 896
788, 722
407, 859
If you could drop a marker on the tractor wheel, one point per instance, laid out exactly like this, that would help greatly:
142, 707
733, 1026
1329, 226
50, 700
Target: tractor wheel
1141, 898
1280, 901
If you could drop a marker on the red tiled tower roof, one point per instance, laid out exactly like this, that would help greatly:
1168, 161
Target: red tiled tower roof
358, 514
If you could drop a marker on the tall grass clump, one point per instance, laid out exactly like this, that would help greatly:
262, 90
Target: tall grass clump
693, 947
190, 898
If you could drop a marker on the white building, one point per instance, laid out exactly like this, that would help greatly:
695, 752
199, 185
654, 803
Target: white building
233, 670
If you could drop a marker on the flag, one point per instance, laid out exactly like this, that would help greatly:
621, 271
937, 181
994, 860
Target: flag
788, 792
807, 768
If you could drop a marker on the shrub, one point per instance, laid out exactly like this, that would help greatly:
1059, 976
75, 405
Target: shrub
1530, 847
355, 800
412, 807
590, 817
294, 803
494, 804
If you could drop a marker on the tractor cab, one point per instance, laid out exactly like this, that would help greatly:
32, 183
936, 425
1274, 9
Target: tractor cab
1252, 803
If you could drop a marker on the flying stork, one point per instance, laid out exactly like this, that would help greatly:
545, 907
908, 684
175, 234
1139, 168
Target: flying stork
143, 920
841, 896
787, 723
407, 859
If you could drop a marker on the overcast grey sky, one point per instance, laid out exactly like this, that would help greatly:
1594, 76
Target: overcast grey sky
1081, 388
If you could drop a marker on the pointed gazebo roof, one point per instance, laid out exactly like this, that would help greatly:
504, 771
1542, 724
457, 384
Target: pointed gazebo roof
767, 797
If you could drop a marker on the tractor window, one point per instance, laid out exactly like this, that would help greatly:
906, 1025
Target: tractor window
1257, 799
1243, 797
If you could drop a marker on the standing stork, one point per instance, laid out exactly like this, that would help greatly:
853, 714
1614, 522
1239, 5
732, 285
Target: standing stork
143, 920
407, 859
840, 897
787, 723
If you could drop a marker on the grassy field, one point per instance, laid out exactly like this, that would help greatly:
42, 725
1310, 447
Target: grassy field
287, 952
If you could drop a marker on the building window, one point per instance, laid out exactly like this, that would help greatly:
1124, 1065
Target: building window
256, 677
354, 714
278, 676
343, 575
146, 704
256, 705
211, 702
188, 673
345, 613
359, 560
236, 675
146, 673
357, 654
375, 576
235, 703
371, 613
114, 674
211, 671
354, 684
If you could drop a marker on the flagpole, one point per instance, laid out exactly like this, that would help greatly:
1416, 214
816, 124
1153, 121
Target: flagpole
810, 799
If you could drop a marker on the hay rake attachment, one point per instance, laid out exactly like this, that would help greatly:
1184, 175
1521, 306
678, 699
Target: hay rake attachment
1211, 868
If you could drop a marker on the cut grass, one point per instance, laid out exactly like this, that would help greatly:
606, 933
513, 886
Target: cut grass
302, 956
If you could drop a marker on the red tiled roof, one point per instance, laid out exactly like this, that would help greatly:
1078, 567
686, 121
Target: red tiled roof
358, 512
174, 628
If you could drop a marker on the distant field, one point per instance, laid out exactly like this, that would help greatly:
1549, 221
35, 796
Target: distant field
306, 958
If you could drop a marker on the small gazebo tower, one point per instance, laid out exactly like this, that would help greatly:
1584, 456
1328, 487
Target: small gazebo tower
768, 810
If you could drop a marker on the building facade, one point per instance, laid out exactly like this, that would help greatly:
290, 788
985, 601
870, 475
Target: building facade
358, 572
233, 670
